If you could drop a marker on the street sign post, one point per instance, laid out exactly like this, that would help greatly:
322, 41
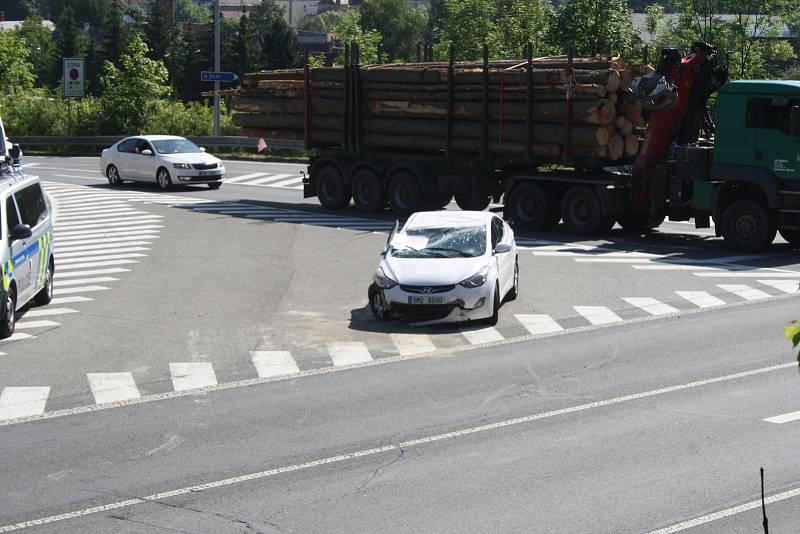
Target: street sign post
211, 76
73, 77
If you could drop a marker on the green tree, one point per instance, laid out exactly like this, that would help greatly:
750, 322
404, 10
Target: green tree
595, 27
276, 41
400, 25
189, 11
523, 22
245, 60
16, 73
348, 30
654, 22
114, 38
70, 42
468, 25
160, 30
42, 49
129, 92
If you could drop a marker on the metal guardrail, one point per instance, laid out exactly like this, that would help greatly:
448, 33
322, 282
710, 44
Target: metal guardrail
108, 140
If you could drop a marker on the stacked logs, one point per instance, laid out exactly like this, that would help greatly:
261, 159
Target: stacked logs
407, 106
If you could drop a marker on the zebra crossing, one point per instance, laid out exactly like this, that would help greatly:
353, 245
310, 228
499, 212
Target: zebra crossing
110, 387
267, 179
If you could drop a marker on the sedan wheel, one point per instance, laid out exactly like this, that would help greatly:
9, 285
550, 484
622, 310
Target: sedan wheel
163, 179
491, 321
113, 175
514, 291
377, 304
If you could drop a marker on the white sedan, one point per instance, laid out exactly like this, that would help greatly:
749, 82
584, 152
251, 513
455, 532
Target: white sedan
446, 266
164, 159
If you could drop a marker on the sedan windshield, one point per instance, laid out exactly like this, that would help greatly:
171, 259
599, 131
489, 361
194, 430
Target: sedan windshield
176, 146
463, 242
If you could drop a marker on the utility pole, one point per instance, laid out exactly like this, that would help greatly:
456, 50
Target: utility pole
290, 12
216, 67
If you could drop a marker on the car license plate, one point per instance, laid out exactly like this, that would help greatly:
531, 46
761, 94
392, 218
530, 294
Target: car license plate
207, 173
425, 300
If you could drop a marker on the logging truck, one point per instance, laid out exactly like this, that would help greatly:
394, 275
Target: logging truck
589, 142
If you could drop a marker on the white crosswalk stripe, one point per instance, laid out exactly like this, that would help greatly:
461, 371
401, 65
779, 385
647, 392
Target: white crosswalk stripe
787, 286
650, 305
482, 335
22, 401
744, 291
192, 375
82, 289
538, 324
598, 315
27, 325
112, 387
265, 179
48, 312
77, 274
100, 257
701, 299
61, 249
348, 353
69, 300
82, 254
409, 344
96, 280
93, 264
269, 363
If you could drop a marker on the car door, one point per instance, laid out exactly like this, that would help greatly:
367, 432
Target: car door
505, 260
19, 270
33, 212
123, 158
143, 164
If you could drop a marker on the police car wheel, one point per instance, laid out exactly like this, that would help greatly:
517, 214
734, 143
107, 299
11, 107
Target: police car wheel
163, 179
45, 295
9, 321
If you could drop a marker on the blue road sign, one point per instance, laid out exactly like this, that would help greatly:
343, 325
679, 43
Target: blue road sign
211, 76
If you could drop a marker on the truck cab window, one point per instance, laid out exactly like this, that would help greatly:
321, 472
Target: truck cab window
770, 114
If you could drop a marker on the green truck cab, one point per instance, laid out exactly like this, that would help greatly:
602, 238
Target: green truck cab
750, 182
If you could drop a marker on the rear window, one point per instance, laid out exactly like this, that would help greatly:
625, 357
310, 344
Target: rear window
32, 207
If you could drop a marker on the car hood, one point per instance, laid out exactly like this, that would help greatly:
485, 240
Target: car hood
194, 157
432, 271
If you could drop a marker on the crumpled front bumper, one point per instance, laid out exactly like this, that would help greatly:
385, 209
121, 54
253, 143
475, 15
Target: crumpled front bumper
459, 305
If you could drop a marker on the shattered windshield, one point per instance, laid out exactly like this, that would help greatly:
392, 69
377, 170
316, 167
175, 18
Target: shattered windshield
462, 242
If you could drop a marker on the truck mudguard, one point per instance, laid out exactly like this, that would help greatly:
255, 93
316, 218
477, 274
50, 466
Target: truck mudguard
750, 174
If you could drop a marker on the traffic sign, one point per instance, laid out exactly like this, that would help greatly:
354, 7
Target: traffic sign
211, 76
73, 77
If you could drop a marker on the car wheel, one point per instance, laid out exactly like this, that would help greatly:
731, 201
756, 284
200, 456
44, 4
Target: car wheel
377, 304
163, 179
491, 321
113, 175
215, 185
45, 295
514, 291
9, 322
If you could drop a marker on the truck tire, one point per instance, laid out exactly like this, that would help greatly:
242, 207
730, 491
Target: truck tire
528, 207
405, 193
470, 202
439, 201
331, 189
639, 222
747, 226
368, 194
791, 236
583, 214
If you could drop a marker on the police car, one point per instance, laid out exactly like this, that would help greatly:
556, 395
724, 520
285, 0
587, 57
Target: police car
26, 229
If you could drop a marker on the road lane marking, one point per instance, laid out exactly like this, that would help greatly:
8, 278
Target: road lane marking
749, 274
106, 232
538, 323
612, 260
778, 497
407, 344
24, 325
18, 336
113, 270
743, 291
102, 224
144, 239
47, 312
92, 264
81, 177
100, 257
64, 249
103, 215
272, 178
83, 289
348, 352
97, 280
69, 300
784, 418
651, 306
97, 253
598, 314
482, 335
192, 375
22, 401
433, 438
237, 179
285, 183
271, 363
787, 286
701, 299
112, 387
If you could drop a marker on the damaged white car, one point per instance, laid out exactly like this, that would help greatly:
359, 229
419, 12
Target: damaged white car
446, 266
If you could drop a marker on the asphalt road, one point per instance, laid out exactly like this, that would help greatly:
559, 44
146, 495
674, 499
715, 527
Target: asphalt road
201, 335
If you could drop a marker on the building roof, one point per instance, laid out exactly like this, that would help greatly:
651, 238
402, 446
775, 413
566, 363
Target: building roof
14, 24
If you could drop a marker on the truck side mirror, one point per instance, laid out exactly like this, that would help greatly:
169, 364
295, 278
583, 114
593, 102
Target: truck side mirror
794, 122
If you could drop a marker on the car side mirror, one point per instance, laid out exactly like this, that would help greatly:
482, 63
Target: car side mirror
21, 231
147, 152
502, 248
794, 122
202, 149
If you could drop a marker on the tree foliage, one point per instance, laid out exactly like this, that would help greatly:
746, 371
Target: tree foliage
524, 22
596, 27
400, 26
276, 41
16, 72
468, 25
189, 11
41, 48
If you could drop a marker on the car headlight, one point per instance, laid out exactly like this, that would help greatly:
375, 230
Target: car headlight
181, 165
383, 281
476, 280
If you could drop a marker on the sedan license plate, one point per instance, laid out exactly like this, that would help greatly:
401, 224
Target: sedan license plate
208, 173
425, 300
